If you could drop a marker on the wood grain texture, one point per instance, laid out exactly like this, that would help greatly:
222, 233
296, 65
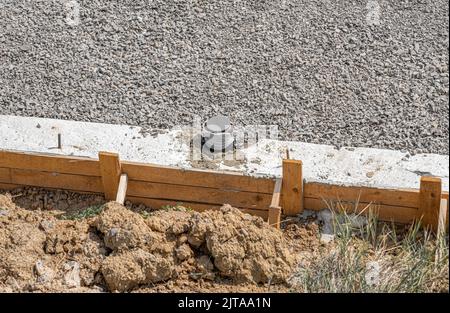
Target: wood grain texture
122, 189
240, 199
49, 163
110, 170
274, 217
430, 201
55, 180
275, 203
384, 212
292, 187
201, 178
394, 197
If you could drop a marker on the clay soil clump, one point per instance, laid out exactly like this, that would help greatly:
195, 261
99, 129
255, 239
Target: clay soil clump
122, 250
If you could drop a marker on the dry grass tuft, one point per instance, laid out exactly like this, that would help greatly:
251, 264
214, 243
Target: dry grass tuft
377, 257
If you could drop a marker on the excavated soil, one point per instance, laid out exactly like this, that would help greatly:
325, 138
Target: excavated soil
54, 241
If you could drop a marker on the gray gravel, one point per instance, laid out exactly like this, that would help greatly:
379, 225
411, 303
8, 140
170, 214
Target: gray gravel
314, 67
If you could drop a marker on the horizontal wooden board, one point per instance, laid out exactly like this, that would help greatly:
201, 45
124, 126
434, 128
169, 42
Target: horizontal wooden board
5, 175
201, 178
50, 163
53, 180
385, 212
199, 194
4, 186
199, 207
395, 197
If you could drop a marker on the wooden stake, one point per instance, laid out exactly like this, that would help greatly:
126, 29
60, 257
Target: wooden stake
110, 170
292, 187
443, 217
276, 193
430, 201
274, 217
122, 190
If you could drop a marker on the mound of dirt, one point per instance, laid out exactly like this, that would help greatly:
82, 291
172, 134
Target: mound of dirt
120, 250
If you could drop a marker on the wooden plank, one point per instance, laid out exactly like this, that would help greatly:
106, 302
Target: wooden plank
292, 187
430, 201
110, 171
122, 190
193, 177
274, 218
5, 175
394, 197
49, 163
276, 193
240, 199
56, 180
4, 186
199, 207
384, 212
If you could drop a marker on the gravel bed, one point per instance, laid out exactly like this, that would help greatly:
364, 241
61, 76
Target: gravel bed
360, 73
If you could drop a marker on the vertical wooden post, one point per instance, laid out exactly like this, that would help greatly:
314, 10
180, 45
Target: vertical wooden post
110, 170
430, 201
292, 187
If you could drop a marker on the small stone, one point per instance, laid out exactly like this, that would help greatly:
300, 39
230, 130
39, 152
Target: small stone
46, 225
326, 238
45, 274
72, 276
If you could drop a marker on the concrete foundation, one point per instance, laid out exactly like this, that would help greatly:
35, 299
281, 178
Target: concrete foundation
321, 163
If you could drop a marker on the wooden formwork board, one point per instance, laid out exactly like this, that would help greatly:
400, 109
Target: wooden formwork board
200, 178
157, 186
51, 180
50, 163
392, 197
384, 212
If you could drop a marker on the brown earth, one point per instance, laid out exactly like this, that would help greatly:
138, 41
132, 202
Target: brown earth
46, 247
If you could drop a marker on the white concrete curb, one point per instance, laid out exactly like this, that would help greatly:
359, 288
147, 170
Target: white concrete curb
322, 163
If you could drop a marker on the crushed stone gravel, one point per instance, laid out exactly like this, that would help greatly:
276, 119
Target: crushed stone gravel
370, 73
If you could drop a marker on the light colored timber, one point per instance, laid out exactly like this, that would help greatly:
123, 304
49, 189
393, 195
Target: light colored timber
52, 180
122, 190
292, 187
384, 212
199, 207
4, 186
276, 193
443, 216
5, 175
240, 199
206, 189
274, 217
394, 197
430, 201
136, 171
193, 177
110, 170
445, 197
49, 163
